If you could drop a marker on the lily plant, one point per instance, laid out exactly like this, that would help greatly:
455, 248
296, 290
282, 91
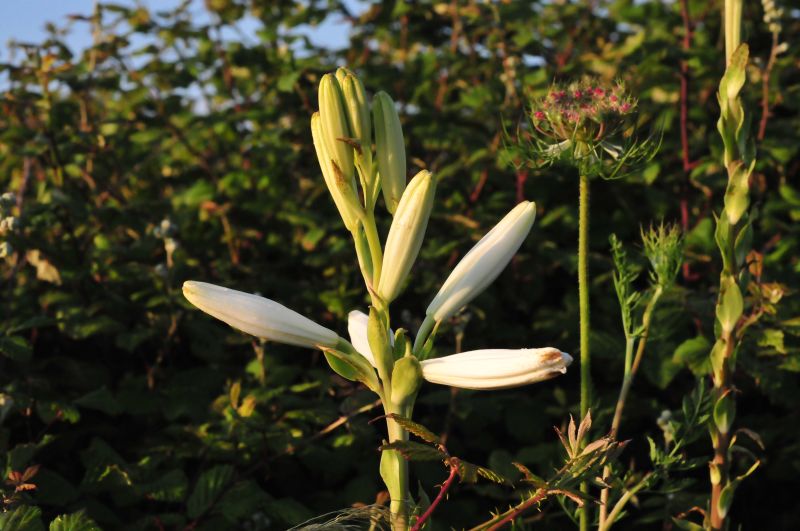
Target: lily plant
358, 168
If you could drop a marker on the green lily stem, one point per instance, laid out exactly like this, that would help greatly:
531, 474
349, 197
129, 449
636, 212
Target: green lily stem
423, 333
364, 257
375, 249
398, 507
583, 297
631, 368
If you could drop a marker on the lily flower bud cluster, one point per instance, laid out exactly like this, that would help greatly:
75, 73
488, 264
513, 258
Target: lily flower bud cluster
387, 362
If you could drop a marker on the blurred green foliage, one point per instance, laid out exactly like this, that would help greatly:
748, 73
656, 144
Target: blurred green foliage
179, 148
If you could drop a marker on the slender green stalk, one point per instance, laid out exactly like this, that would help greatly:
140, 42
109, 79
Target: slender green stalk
375, 249
583, 296
583, 293
631, 368
423, 333
605, 526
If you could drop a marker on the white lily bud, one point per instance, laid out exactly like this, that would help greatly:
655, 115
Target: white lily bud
390, 149
406, 234
483, 263
496, 368
334, 124
258, 316
341, 188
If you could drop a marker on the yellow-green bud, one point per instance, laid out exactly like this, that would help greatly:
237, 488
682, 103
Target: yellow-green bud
357, 106
730, 306
378, 339
342, 188
406, 379
334, 125
406, 234
390, 149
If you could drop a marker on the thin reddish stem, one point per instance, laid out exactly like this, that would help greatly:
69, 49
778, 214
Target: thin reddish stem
765, 112
439, 497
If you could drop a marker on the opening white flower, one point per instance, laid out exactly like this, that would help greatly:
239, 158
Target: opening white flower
496, 368
258, 316
484, 262
476, 369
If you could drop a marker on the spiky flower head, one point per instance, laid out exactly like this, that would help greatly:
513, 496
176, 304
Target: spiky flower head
663, 246
588, 124
584, 111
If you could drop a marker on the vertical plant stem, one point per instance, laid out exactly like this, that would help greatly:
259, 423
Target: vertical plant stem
423, 333
375, 249
765, 76
398, 506
732, 222
631, 368
439, 497
583, 297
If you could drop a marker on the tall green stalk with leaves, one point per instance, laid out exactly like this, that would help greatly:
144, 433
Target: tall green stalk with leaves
385, 361
588, 125
734, 239
663, 246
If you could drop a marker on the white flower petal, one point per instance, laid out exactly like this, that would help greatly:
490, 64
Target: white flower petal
258, 316
496, 368
484, 262
357, 328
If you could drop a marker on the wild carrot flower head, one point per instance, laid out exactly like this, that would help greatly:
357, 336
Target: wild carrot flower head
588, 124
585, 111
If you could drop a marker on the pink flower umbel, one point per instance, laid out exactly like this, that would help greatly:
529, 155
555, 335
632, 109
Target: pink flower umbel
587, 124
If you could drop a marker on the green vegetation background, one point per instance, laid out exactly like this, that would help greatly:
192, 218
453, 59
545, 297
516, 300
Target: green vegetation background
150, 415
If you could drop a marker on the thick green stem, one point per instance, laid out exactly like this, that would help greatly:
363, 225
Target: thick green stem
583, 296
733, 27
398, 490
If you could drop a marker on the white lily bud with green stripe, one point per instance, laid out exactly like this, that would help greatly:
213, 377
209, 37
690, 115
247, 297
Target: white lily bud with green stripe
496, 368
258, 316
390, 149
406, 234
341, 188
483, 263
334, 124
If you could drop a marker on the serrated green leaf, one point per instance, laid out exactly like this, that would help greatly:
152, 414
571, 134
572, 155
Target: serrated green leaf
493, 476
414, 427
414, 451
74, 522
23, 518
169, 487
208, 489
